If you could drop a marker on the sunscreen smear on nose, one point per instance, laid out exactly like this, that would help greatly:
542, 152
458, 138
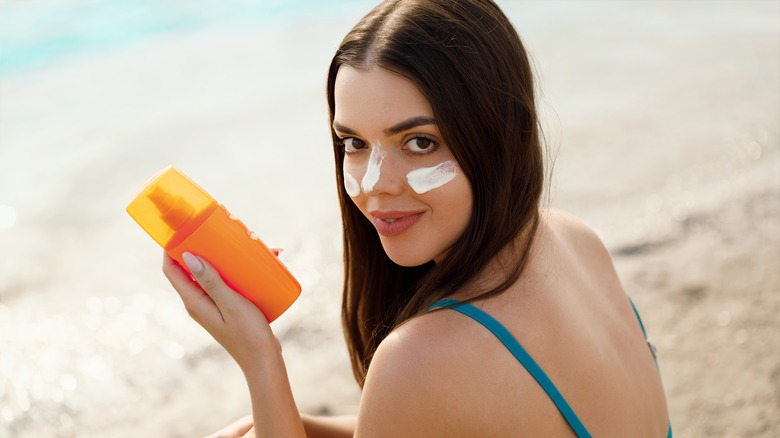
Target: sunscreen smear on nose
181, 217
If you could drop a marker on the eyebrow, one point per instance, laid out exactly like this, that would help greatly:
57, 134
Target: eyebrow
395, 129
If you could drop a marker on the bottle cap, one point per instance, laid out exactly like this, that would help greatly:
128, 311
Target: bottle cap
167, 202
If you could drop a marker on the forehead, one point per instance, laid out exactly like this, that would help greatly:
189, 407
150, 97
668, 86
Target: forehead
376, 96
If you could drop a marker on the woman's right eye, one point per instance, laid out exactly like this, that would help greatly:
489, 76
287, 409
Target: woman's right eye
351, 144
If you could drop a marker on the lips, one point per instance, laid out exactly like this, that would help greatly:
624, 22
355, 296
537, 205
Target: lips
394, 223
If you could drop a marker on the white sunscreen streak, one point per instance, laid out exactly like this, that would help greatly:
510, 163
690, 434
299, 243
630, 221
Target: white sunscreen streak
351, 184
428, 178
374, 167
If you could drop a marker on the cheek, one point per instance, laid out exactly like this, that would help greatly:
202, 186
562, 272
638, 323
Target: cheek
426, 179
351, 185
457, 203
352, 175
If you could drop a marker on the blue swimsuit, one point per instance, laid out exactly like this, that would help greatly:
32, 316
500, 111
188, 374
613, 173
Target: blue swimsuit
527, 361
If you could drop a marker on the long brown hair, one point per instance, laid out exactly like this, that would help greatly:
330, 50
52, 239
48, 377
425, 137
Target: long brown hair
468, 61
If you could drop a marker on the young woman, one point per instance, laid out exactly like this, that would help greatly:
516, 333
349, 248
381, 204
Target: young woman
468, 311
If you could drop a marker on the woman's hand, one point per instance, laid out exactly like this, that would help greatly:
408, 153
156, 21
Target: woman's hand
234, 321
240, 327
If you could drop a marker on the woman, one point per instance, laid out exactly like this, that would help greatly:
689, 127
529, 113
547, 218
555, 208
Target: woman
467, 310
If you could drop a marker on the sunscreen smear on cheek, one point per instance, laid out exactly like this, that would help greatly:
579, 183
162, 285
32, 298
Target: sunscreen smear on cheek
428, 178
351, 185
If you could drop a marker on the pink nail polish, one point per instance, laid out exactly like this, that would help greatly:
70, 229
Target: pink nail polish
193, 263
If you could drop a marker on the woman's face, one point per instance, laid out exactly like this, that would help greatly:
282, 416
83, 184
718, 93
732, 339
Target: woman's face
397, 169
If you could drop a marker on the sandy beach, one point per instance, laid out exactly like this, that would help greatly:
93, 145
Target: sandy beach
663, 119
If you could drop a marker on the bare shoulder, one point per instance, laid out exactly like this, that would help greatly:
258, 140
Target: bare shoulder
409, 389
565, 222
575, 234
443, 375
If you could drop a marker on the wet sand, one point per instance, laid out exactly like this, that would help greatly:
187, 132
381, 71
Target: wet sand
663, 117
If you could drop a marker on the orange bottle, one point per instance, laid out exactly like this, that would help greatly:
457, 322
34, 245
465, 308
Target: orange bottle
182, 217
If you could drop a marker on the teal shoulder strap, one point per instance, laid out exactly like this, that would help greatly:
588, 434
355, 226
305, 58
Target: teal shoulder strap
652, 349
527, 361
522, 356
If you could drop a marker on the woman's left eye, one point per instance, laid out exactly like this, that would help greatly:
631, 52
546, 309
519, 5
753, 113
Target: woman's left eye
421, 145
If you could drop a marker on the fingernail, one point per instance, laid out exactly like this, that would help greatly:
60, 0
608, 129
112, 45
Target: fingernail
192, 262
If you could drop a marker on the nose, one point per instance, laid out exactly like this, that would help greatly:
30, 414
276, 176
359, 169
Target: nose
382, 174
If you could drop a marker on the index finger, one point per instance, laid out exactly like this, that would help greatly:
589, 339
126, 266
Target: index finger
198, 303
209, 279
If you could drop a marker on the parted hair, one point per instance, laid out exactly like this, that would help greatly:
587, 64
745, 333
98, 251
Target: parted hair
466, 58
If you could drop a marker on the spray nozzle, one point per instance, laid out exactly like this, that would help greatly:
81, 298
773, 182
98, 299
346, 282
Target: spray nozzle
174, 210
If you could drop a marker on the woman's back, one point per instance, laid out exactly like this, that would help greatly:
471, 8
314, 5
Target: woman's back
569, 312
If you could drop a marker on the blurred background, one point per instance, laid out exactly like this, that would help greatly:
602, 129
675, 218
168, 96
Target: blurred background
663, 119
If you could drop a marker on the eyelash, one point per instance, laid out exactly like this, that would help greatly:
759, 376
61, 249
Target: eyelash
432, 148
434, 145
342, 143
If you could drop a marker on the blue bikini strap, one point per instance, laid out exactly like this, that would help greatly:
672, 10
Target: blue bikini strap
652, 350
522, 356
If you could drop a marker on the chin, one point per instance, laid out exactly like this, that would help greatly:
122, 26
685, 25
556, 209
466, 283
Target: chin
407, 259
408, 262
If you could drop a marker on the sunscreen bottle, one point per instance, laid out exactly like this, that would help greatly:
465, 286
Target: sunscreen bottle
182, 217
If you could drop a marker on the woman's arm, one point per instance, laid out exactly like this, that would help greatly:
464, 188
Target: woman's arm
239, 326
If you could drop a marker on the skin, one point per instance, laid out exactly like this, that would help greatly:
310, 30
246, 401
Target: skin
441, 374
